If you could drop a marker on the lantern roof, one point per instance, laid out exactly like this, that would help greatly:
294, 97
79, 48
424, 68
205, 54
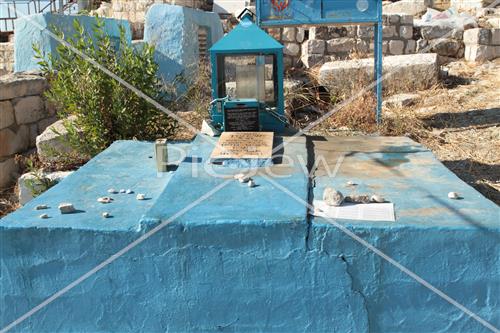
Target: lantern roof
246, 37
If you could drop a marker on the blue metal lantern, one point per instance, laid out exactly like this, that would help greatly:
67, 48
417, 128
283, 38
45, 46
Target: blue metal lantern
247, 80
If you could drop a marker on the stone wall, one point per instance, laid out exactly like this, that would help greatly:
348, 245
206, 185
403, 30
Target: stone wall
24, 114
317, 45
135, 11
482, 44
6, 57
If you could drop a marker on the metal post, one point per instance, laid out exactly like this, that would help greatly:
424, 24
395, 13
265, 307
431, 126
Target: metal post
61, 6
378, 62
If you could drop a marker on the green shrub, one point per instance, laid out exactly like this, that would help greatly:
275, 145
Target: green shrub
105, 110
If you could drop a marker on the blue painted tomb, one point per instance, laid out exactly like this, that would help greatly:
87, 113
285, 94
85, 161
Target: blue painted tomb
246, 259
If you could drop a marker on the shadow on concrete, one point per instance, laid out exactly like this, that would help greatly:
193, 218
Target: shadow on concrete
466, 218
464, 119
475, 173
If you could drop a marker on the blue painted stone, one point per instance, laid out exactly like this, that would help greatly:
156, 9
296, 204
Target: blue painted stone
173, 30
249, 259
32, 29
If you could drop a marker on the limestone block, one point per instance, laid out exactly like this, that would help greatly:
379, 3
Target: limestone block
385, 47
445, 46
469, 4
435, 30
406, 20
27, 32
291, 49
389, 31
365, 31
54, 139
300, 35
422, 44
409, 72
494, 22
351, 31
396, 47
341, 45
363, 45
408, 7
394, 19
477, 36
288, 34
8, 169
313, 46
495, 36
457, 34
311, 60
21, 84
406, 31
6, 114
410, 46
30, 184
13, 142
29, 109
479, 53
401, 100
318, 33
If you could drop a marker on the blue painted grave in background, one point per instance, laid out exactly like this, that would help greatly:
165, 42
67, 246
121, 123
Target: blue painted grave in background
33, 29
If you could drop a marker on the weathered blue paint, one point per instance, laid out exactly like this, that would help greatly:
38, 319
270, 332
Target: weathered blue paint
173, 30
32, 29
249, 259
327, 12
248, 39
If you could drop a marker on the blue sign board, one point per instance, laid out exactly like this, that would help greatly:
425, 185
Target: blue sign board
278, 13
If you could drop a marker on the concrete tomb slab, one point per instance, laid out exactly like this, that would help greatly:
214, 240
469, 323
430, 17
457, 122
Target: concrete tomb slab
251, 259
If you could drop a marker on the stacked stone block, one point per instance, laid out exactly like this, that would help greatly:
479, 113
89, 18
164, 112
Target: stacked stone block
482, 44
317, 45
440, 38
24, 114
6, 57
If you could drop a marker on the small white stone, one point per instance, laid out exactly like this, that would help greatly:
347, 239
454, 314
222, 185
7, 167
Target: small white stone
112, 190
44, 216
351, 183
105, 214
140, 196
453, 195
122, 190
40, 207
251, 183
332, 197
377, 198
244, 179
129, 191
66, 208
105, 199
238, 176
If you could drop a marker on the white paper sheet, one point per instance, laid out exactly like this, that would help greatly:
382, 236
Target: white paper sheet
364, 212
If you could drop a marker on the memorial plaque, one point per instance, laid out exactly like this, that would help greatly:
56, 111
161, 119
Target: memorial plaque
241, 120
243, 145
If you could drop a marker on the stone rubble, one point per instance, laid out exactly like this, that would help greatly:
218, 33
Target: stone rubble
332, 197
